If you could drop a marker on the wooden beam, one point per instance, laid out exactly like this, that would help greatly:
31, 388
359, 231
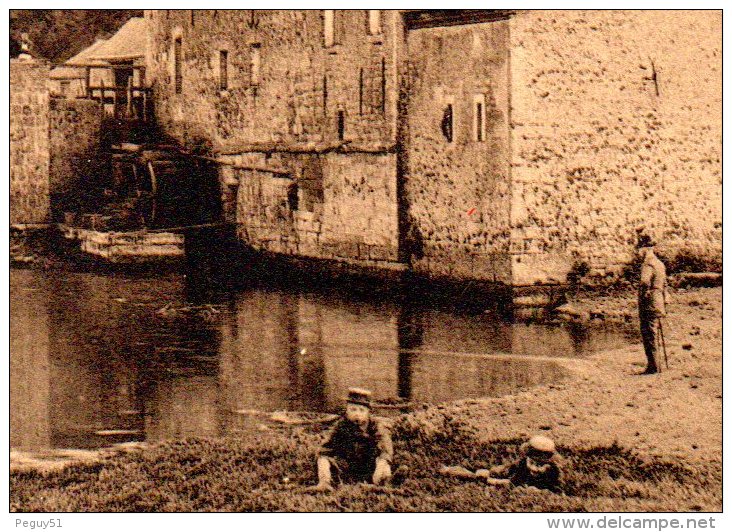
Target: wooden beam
433, 18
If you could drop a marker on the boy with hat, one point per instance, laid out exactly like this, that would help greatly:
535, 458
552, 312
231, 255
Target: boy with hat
652, 296
537, 466
359, 447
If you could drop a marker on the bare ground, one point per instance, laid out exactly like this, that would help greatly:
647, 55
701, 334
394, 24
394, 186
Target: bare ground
677, 413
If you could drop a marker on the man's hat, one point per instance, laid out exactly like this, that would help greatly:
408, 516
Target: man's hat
359, 396
645, 241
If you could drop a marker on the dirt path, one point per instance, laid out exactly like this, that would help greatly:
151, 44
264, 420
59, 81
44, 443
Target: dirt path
677, 413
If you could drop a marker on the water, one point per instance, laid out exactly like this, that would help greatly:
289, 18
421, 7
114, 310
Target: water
94, 361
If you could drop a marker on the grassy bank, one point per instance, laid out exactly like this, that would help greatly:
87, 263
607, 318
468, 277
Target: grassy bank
266, 473
630, 442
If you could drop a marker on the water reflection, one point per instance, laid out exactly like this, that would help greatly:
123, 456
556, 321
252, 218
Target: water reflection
94, 361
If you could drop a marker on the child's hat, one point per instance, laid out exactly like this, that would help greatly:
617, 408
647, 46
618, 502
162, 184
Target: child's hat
540, 444
359, 396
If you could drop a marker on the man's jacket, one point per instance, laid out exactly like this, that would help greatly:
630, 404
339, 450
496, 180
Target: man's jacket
652, 287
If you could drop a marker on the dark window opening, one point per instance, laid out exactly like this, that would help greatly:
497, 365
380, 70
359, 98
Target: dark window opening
292, 199
223, 70
177, 49
383, 86
193, 18
341, 125
311, 184
447, 123
360, 91
325, 95
479, 122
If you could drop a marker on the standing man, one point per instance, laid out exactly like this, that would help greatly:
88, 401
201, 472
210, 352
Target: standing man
651, 299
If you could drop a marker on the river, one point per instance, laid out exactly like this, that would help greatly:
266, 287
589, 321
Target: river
102, 359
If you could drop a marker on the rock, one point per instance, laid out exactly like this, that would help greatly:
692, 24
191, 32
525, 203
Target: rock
683, 280
569, 312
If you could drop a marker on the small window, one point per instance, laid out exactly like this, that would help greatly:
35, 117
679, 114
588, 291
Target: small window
65, 88
329, 27
360, 91
374, 21
447, 123
383, 86
223, 70
177, 67
325, 95
479, 118
255, 62
341, 125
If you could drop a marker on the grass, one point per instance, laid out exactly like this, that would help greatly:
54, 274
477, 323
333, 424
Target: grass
264, 473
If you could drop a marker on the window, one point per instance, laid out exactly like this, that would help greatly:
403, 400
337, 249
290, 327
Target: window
325, 95
360, 91
329, 27
341, 124
332, 27
374, 21
223, 70
447, 124
255, 61
383, 86
177, 69
479, 117
65, 88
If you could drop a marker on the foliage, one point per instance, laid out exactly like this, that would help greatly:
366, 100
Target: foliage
59, 34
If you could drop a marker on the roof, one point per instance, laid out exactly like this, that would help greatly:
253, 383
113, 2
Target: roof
67, 70
128, 43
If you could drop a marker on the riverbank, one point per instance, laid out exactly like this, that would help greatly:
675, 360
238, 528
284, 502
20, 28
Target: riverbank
630, 442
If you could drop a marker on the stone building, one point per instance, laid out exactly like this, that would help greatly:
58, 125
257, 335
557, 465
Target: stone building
54, 146
468, 144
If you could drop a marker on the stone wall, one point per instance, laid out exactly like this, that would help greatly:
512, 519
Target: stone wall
596, 122
29, 142
457, 189
76, 157
300, 84
290, 182
334, 206
616, 123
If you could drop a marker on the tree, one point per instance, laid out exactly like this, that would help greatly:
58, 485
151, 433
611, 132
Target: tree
58, 34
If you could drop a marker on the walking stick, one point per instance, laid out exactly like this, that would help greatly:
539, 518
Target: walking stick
663, 341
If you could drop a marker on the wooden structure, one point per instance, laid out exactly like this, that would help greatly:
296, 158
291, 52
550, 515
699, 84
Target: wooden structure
130, 101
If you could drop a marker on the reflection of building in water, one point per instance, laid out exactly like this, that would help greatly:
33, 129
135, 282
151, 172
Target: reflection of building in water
183, 406
93, 399
286, 351
93, 364
87, 365
438, 378
359, 349
29, 372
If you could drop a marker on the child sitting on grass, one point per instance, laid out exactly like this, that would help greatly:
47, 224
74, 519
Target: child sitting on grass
537, 466
359, 448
